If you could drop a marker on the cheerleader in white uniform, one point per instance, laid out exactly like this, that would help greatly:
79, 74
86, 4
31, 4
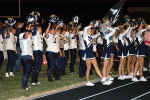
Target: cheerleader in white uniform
122, 45
140, 55
89, 54
108, 33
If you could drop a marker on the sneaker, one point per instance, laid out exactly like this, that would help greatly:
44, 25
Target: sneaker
26, 89
6, 75
145, 69
124, 77
138, 73
143, 79
38, 83
103, 79
120, 78
33, 84
110, 78
90, 84
11, 74
134, 79
129, 77
131, 74
107, 82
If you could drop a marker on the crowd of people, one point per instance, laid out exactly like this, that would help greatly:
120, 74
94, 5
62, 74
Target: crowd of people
98, 44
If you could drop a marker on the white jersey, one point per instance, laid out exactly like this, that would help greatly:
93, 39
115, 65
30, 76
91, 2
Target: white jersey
52, 42
25, 45
81, 41
66, 41
1, 43
73, 41
37, 42
11, 42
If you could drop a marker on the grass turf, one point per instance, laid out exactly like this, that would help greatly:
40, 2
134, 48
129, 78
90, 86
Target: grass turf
11, 88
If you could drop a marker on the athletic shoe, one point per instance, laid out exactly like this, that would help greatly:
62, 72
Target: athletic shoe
143, 79
33, 84
134, 79
11, 74
103, 79
107, 82
131, 74
129, 77
6, 75
110, 78
90, 84
26, 89
38, 83
120, 78
138, 73
145, 69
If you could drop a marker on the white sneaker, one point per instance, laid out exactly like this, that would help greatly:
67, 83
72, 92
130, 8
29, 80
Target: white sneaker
103, 79
11, 74
143, 79
107, 82
138, 73
38, 83
33, 84
27, 89
124, 77
89, 84
110, 78
6, 75
145, 69
134, 79
120, 78
131, 74
129, 77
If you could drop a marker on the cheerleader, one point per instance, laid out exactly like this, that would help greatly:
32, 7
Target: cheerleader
37, 40
11, 51
122, 45
131, 38
25, 40
89, 54
140, 55
52, 51
108, 33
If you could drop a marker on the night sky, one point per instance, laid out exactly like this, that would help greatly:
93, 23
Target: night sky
65, 8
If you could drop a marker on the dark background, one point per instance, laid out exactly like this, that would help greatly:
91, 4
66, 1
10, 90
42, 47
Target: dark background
86, 9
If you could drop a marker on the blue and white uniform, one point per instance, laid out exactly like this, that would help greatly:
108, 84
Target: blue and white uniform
122, 44
82, 65
88, 40
11, 51
73, 47
26, 57
52, 54
108, 46
37, 40
141, 45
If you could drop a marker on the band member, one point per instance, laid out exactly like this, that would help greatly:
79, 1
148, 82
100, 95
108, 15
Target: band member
73, 47
37, 40
26, 55
11, 51
52, 51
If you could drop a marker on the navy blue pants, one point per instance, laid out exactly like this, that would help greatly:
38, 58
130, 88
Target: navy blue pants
1, 59
53, 64
65, 61
38, 59
18, 60
82, 65
73, 59
11, 60
27, 66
